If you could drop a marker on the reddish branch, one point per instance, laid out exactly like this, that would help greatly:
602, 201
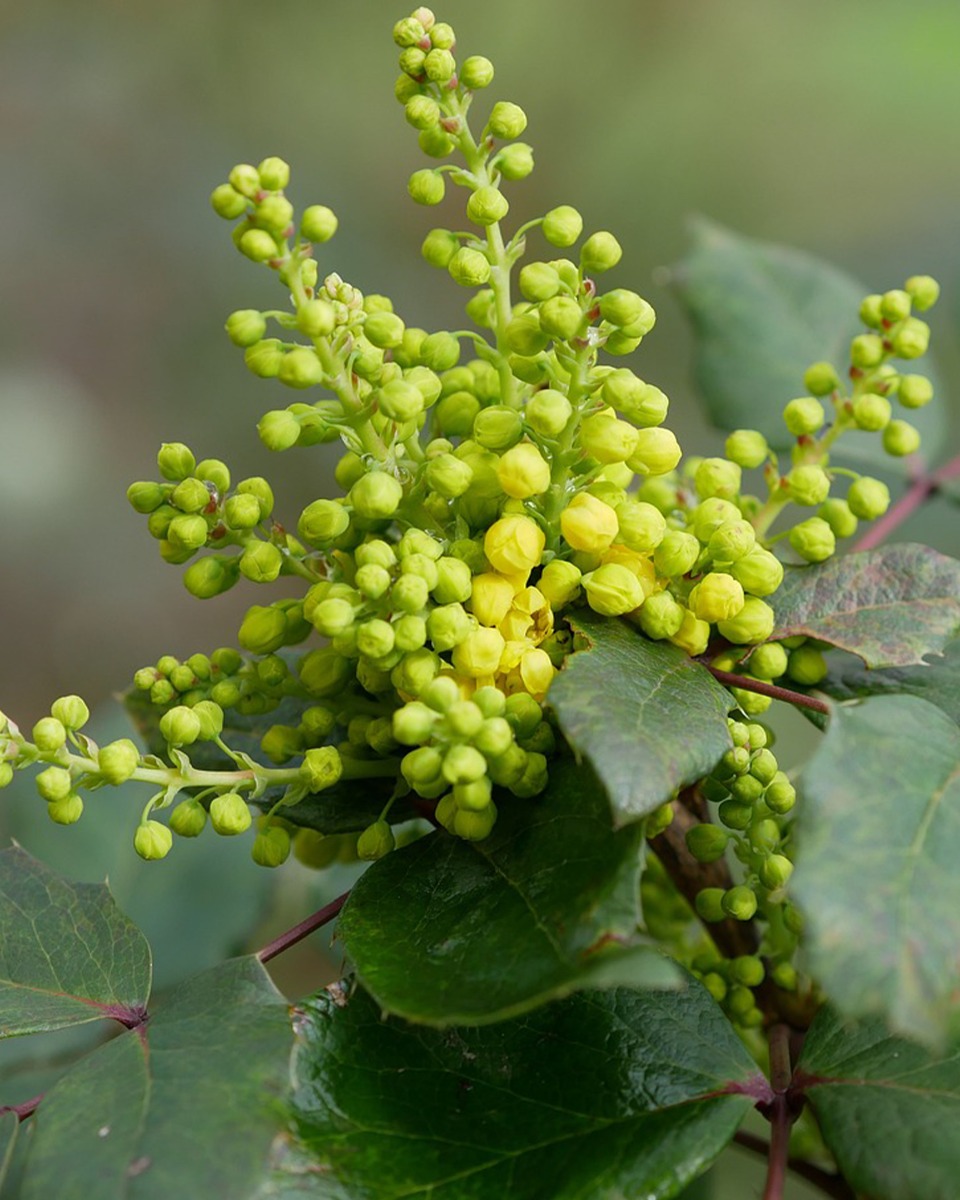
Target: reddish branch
323, 916
834, 1186
919, 492
24, 1110
729, 679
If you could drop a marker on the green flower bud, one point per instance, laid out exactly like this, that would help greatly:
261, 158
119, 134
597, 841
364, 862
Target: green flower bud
375, 841
245, 179
271, 847
487, 206
448, 626
657, 452
426, 186
324, 672
901, 438
717, 477
469, 268
804, 416
274, 214
561, 317
408, 32
709, 905
413, 724
759, 572
49, 734
548, 412
895, 305
385, 330
448, 476
661, 616
732, 540
739, 902
747, 448
316, 318
753, 623
838, 516
375, 638
227, 202
515, 161
264, 359
923, 290
463, 764
871, 412
476, 72
261, 562
524, 335
866, 350
258, 245
507, 121
613, 590
439, 65
474, 826
775, 871
440, 351
322, 522
780, 796
599, 253
175, 461
539, 281
300, 369
813, 540
914, 391
242, 511
211, 576
642, 527
676, 554
281, 742
189, 818
807, 666
523, 472
562, 226
746, 790
625, 308
117, 761
187, 533
190, 496
279, 429
321, 768
769, 661
912, 339
868, 498
54, 784
439, 246
152, 840
180, 726
870, 313
808, 485
820, 379
717, 597
318, 223
784, 975
454, 581
274, 174
229, 814
707, 843
145, 497
376, 495
71, 711
263, 630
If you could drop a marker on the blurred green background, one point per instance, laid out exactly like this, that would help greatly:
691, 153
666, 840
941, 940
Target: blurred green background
831, 127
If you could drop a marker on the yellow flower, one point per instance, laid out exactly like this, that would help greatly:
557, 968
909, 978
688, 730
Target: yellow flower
479, 653
588, 524
491, 598
514, 544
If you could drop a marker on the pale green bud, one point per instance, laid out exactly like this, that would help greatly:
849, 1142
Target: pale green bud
600, 252
321, 768
152, 841
866, 350
813, 540
71, 711
642, 527
469, 268
820, 379
318, 223
838, 516
271, 847
316, 318
262, 630
486, 206
54, 784
227, 202
548, 412
261, 562
747, 448
300, 368
676, 554
189, 818
507, 121
539, 281
476, 72
561, 317
376, 496
274, 174
912, 339
661, 616
901, 438
117, 761
229, 814
923, 290
258, 245
175, 461
753, 623
279, 429
804, 416
439, 65
914, 391
49, 734
322, 522
657, 452
274, 214
707, 843
384, 329
807, 666
613, 590
515, 161
871, 412
440, 351
449, 476
497, 428
769, 661
325, 672
562, 226
439, 246
523, 472
426, 186
245, 179
264, 358
242, 511
808, 485
245, 327
868, 498
717, 477
375, 841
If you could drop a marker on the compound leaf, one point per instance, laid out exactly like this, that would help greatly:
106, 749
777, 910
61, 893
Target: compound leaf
878, 843
761, 314
609, 1093
647, 717
889, 606
187, 1104
67, 953
451, 932
888, 1110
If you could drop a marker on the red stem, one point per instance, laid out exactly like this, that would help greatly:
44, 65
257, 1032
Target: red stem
323, 916
24, 1110
768, 689
918, 493
831, 1185
780, 1115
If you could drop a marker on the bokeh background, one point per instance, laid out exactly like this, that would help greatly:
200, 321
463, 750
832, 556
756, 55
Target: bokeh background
831, 127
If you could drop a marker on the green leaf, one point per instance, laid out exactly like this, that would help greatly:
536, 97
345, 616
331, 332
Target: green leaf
67, 953
9, 1128
186, 1105
647, 717
888, 1110
344, 808
876, 877
890, 606
762, 313
937, 681
615, 1093
450, 932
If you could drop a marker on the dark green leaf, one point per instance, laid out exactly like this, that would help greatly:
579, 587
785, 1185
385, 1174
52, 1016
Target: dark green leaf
937, 681
648, 718
616, 1093
876, 877
890, 606
9, 1128
67, 953
762, 314
344, 808
450, 932
187, 1105
887, 1109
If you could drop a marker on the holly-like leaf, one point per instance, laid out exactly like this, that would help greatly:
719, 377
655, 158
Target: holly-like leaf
876, 877
888, 1110
343, 808
889, 606
616, 1093
937, 681
186, 1105
450, 932
647, 717
762, 313
67, 953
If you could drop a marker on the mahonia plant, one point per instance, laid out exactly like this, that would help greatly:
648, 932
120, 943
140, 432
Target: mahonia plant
508, 491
